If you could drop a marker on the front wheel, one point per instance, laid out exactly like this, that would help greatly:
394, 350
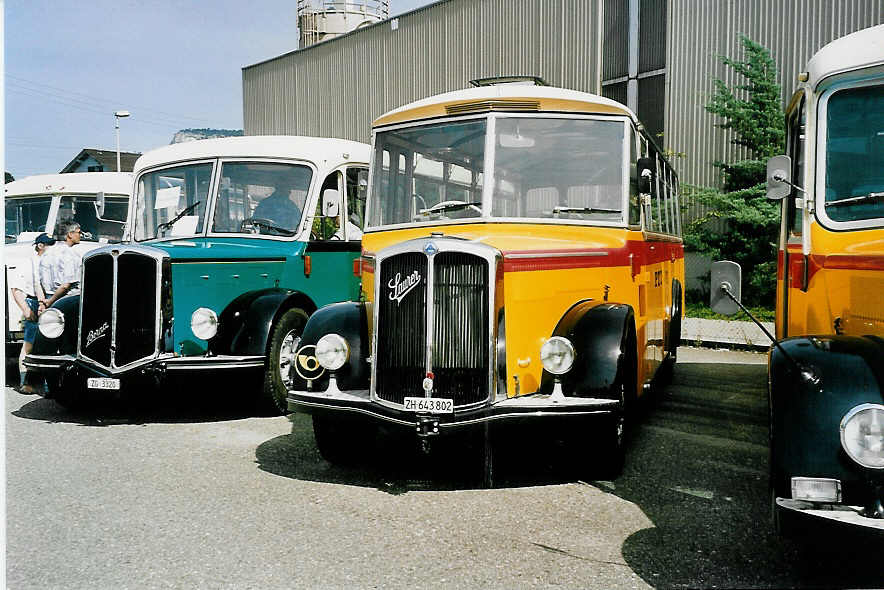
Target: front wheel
284, 340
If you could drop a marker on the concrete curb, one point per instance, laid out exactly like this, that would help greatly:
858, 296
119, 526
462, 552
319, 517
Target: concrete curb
732, 334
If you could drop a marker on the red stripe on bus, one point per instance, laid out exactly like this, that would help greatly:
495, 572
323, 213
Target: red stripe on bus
849, 261
635, 254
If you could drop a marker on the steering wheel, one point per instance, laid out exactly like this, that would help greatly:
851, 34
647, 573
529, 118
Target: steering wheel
253, 224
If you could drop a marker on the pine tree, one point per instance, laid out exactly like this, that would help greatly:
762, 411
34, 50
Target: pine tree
753, 112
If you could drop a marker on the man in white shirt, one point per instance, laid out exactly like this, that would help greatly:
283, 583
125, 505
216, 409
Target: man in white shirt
60, 267
24, 283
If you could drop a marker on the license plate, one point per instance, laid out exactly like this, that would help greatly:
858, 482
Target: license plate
430, 405
103, 383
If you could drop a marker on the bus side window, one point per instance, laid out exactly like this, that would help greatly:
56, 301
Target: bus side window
327, 228
796, 151
357, 186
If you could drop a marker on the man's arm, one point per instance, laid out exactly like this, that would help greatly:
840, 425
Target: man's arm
59, 293
19, 296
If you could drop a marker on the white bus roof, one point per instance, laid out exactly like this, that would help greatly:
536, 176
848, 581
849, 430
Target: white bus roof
858, 50
314, 149
80, 183
505, 97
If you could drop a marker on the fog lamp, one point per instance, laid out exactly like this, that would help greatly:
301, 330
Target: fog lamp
204, 323
557, 355
332, 351
862, 435
51, 323
816, 489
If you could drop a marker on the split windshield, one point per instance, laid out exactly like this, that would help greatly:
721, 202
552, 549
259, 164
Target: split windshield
30, 214
855, 154
172, 202
544, 168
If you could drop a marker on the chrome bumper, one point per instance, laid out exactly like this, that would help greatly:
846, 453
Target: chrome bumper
45, 363
839, 513
530, 407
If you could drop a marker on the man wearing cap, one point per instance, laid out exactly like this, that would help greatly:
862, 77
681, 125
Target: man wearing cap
60, 267
24, 283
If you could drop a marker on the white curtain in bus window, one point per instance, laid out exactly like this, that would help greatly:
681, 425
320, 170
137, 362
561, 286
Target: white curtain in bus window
855, 154
555, 168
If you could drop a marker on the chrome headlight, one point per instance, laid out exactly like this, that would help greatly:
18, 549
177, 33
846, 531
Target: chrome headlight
332, 351
557, 355
204, 323
862, 435
51, 323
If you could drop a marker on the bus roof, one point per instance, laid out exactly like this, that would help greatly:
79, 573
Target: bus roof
79, 183
858, 50
507, 98
314, 149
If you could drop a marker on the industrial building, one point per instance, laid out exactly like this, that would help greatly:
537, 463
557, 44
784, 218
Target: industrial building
657, 56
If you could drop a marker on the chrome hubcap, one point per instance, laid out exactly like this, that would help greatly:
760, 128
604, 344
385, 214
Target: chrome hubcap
287, 357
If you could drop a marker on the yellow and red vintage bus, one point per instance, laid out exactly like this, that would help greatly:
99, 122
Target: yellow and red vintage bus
827, 376
522, 260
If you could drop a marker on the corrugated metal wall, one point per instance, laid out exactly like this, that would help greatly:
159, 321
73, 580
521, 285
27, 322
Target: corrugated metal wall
337, 88
701, 30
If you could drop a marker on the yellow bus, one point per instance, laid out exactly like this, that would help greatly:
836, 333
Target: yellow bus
826, 372
522, 260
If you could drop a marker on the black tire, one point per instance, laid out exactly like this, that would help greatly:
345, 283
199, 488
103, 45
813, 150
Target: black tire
342, 442
284, 338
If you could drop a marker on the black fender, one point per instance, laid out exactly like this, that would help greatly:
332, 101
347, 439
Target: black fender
603, 335
673, 324
350, 320
67, 342
806, 411
244, 326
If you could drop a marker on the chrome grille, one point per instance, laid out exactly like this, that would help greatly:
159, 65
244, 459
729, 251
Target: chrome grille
118, 307
460, 340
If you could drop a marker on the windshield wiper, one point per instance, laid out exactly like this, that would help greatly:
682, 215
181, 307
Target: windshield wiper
869, 198
449, 206
171, 222
563, 209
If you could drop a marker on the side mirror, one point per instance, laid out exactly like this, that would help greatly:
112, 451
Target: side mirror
331, 203
779, 177
726, 276
645, 168
99, 204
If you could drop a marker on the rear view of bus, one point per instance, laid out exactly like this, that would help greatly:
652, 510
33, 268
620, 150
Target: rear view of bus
826, 382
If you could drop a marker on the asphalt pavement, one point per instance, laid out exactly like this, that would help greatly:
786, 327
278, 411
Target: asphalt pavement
195, 492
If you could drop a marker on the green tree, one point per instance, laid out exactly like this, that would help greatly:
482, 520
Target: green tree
749, 221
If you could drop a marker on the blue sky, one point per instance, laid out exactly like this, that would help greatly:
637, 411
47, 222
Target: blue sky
172, 64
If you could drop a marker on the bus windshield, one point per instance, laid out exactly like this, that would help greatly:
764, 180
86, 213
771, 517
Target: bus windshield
107, 226
855, 154
172, 202
26, 214
548, 168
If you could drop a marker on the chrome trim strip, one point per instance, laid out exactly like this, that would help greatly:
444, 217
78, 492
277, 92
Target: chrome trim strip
202, 362
553, 255
46, 361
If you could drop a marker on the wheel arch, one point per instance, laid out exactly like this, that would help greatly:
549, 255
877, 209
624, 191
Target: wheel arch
247, 322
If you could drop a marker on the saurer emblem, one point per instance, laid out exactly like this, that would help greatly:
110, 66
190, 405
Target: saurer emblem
400, 287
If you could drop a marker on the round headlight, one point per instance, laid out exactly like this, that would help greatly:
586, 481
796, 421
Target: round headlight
204, 323
557, 355
332, 351
862, 435
51, 323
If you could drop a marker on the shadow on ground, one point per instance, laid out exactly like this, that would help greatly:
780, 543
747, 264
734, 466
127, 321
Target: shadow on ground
186, 402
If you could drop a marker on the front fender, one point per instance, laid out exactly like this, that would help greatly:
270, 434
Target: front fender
66, 344
245, 324
806, 412
600, 333
350, 320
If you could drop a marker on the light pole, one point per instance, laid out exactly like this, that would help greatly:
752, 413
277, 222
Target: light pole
117, 116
